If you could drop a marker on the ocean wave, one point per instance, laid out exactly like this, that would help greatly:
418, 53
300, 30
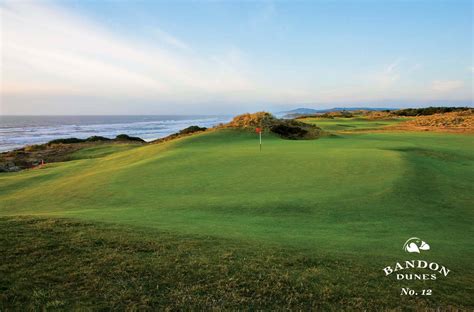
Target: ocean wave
19, 131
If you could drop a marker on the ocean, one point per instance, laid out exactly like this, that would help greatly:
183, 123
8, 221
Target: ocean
18, 131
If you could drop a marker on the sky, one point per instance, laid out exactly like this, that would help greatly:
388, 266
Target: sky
226, 57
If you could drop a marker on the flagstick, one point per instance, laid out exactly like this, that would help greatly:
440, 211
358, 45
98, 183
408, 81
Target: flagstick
260, 140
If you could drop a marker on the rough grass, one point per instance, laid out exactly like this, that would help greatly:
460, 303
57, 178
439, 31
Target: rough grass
49, 264
460, 121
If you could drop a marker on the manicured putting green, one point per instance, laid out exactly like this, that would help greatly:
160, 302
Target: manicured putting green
337, 194
352, 196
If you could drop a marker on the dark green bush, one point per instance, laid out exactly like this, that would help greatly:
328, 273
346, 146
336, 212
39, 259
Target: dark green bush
428, 111
288, 131
67, 141
124, 137
295, 130
346, 114
192, 129
97, 138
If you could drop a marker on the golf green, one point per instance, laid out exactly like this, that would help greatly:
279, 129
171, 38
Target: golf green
352, 197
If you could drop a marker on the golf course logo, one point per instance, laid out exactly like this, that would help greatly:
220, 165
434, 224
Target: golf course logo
416, 269
414, 244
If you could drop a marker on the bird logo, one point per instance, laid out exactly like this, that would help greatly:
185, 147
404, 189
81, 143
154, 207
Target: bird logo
415, 244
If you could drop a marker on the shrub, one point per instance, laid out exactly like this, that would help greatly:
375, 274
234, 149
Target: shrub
192, 129
288, 131
66, 141
97, 138
124, 137
261, 119
295, 130
428, 111
346, 114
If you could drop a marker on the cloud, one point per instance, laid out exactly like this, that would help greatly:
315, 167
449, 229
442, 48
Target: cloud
390, 74
49, 50
170, 40
445, 86
391, 68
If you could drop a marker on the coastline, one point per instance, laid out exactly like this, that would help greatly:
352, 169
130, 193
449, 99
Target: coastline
19, 131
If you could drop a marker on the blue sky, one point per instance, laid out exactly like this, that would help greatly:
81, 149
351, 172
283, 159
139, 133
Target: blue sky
177, 57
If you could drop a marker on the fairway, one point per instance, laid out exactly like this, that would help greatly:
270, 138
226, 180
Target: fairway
353, 198
352, 124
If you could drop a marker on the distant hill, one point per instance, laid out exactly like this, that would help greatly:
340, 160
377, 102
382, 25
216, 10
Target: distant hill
307, 111
303, 111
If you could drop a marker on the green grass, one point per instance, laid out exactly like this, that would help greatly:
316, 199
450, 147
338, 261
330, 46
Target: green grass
102, 150
351, 124
347, 202
68, 265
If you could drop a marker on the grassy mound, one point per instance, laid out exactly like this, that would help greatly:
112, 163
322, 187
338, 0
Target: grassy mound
125, 137
262, 120
285, 128
182, 133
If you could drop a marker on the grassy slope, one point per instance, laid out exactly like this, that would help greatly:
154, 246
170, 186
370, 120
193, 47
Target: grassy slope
102, 150
352, 198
